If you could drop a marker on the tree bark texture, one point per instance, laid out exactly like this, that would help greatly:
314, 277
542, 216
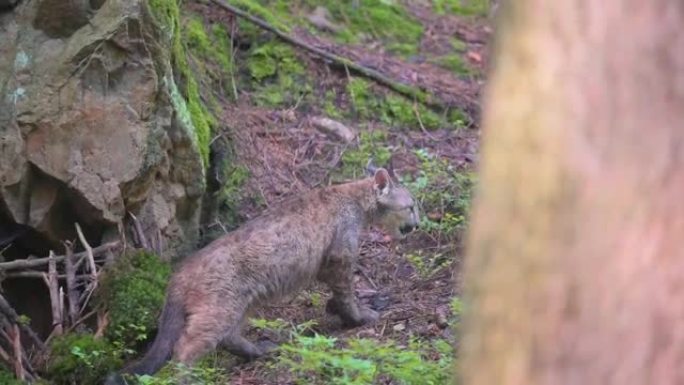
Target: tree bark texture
575, 272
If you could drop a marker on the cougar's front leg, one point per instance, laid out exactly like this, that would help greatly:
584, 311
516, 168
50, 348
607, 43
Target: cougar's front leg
338, 274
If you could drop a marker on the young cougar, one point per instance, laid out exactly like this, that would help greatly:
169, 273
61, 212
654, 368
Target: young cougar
313, 236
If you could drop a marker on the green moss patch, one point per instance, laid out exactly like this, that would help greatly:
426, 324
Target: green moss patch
81, 359
385, 21
461, 7
369, 103
278, 77
133, 292
454, 63
167, 14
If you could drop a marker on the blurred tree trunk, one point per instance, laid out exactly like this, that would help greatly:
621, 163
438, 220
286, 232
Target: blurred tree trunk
576, 267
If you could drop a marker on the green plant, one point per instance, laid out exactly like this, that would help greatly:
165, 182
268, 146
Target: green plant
444, 194
278, 326
402, 112
133, 291
319, 359
361, 97
7, 378
457, 118
329, 106
427, 265
202, 373
81, 359
315, 299
456, 306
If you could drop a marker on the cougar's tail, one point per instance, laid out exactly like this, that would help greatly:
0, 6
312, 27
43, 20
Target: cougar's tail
171, 325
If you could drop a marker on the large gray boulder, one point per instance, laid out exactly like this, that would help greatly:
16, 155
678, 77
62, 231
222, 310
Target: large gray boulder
91, 125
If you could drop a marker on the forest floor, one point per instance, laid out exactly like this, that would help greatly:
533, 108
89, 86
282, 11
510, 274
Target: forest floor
269, 100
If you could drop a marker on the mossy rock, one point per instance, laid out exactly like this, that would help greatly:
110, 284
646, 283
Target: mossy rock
133, 292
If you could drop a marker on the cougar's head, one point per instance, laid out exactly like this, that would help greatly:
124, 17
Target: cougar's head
397, 212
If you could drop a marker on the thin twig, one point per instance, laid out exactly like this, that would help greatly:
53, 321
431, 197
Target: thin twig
35, 274
81, 320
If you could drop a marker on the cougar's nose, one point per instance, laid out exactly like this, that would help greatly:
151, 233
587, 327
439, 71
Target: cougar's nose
407, 229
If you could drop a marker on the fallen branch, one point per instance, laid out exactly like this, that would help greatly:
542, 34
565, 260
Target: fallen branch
404, 89
34, 262
34, 274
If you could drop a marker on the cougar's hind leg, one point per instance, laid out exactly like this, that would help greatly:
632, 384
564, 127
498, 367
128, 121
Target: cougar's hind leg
203, 332
241, 347
236, 344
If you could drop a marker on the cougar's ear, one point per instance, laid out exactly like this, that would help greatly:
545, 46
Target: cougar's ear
390, 170
371, 168
381, 181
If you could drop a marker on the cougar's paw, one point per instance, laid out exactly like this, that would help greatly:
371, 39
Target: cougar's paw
365, 316
368, 316
266, 346
334, 307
